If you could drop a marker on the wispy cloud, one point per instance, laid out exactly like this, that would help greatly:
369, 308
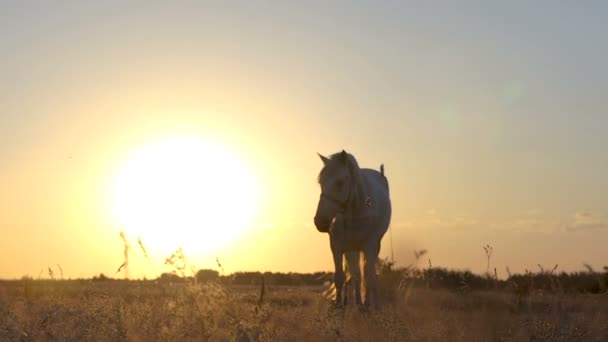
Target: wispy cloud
533, 220
585, 221
529, 221
432, 219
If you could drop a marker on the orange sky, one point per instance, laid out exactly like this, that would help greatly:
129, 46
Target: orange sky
492, 131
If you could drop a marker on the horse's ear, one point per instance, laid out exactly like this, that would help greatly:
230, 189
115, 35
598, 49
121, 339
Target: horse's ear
323, 158
344, 156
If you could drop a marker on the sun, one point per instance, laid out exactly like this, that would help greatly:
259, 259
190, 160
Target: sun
183, 192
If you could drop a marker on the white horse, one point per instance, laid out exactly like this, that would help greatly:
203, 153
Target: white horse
355, 204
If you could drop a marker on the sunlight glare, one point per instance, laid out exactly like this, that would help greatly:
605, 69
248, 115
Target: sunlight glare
183, 192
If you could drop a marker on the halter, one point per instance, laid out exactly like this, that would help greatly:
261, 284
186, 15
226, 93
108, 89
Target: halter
341, 204
344, 204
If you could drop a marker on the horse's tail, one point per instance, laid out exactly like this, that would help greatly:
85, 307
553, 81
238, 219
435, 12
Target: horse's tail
383, 176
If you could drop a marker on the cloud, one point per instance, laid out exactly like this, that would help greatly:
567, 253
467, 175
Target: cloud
432, 219
402, 224
521, 224
585, 221
529, 221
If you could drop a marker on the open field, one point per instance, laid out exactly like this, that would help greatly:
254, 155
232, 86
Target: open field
210, 171
113, 310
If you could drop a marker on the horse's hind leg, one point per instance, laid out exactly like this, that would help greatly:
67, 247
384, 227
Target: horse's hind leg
346, 291
356, 275
372, 297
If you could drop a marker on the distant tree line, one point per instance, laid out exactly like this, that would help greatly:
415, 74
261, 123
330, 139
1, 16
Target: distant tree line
252, 278
392, 277
522, 284
278, 278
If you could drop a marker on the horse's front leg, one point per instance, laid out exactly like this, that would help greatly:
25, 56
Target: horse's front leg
336, 242
352, 261
339, 275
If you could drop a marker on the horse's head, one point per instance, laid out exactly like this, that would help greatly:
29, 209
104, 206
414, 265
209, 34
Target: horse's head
341, 188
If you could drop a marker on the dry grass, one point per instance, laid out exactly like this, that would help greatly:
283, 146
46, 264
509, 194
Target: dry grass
39, 310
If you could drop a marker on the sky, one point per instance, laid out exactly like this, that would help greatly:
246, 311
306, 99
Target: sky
490, 119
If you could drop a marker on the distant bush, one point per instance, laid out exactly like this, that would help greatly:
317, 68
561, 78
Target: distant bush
206, 275
271, 278
101, 277
392, 278
585, 282
171, 278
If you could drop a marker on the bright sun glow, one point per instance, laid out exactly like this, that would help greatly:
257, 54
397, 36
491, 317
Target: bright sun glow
183, 192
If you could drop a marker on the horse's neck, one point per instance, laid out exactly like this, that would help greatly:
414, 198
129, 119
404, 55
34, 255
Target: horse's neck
359, 216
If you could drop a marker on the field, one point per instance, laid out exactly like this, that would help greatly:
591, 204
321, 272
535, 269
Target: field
120, 310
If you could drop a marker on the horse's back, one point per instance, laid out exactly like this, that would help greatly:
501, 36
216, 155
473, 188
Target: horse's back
376, 182
378, 190
374, 173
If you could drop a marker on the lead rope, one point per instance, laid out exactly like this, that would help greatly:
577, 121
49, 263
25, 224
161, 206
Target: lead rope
390, 231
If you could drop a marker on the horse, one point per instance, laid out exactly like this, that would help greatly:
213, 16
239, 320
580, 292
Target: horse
354, 204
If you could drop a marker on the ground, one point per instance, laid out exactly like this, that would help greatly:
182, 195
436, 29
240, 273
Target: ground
110, 310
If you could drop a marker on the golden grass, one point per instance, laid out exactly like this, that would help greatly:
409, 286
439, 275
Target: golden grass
118, 310
420, 305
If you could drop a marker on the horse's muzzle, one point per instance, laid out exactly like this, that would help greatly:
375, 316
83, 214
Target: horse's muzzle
322, 225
